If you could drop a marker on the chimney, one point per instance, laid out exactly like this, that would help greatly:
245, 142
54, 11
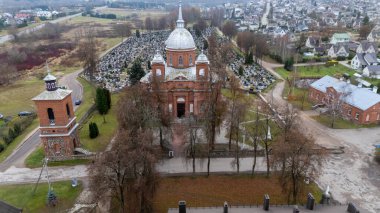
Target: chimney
310, 202
182, 206
225, 207
374, 89
266, 202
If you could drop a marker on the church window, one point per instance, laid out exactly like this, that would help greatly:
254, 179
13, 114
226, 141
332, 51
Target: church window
51, 116
170, 60
180, 61
68, 110
191, 60
158, 72
202, 72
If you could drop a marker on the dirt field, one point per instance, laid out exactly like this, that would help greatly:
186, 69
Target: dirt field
214, 190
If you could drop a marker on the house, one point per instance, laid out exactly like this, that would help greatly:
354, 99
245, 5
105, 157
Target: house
42, 13
338, 50
374, 35
362, 60
340, 37
372, 71
313, 41
361, 105
367, 47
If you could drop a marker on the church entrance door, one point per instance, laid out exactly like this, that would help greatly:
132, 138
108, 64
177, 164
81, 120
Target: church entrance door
180, 110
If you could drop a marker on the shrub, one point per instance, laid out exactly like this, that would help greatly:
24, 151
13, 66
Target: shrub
2, 147
341, 58
289, 64
94, 131
17, 129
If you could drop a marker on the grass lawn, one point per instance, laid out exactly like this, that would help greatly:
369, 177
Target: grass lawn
9, 149
18, 96
340, 123
87, 100
373, 81
21, 196
87, 19
214, 190
106, 130
296, 98
35, 159
317, 71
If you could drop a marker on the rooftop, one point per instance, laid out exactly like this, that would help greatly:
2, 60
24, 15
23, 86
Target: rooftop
362, 98
55, 95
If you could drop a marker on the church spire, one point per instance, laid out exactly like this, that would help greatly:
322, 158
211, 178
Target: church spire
180, 21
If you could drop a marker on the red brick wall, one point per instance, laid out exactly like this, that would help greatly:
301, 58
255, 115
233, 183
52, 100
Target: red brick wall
59, 109
175, 58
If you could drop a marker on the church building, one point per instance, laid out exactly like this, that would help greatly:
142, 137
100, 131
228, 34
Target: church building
58, 126
184, 76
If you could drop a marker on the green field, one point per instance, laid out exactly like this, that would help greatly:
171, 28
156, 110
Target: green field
317, 71
87, 99
141, 14
22, 196
106, 130
35, 160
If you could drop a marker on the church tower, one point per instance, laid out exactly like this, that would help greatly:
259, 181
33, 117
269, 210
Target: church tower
58, 127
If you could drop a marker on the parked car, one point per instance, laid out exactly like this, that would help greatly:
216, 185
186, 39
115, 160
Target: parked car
25, 113
78, 102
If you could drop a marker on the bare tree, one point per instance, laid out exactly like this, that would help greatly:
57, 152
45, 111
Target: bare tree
87, 52
229, 29
245, 40
302, 162
148, 24
335, 102
123, 30
193, 133
14, 32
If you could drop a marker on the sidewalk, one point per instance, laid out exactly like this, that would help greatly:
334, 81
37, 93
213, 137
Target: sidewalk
166, 167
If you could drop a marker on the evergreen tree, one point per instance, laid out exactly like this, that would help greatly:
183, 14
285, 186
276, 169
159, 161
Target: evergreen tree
289, 64
136, 72
101, 102
107, 93
241, 71
138, 33
94, 131
205, 44
249, 58
149, 66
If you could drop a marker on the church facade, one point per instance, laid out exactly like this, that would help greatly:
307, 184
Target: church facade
183, 77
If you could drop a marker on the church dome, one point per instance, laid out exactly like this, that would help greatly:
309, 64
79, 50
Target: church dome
180, 39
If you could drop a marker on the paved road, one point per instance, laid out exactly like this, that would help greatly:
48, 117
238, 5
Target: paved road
7, 38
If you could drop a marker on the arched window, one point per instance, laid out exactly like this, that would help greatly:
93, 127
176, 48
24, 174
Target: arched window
68, 110
202, 72
51, 116
170, 60
191, 60
180, 61
158, 72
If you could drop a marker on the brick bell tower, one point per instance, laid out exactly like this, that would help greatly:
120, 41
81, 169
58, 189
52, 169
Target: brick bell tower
58, 126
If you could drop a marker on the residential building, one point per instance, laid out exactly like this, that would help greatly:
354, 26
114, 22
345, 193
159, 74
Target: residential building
374, 35
340, 37
367, 47
313, 41
361, 105
372, 71
338, 50
362, 60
